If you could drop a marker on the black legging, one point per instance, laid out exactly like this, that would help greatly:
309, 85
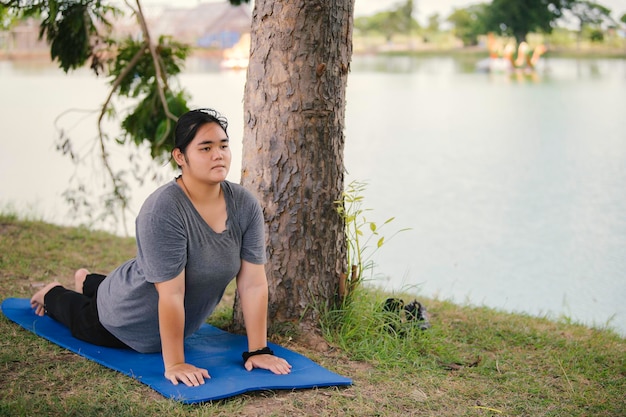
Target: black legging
79, 312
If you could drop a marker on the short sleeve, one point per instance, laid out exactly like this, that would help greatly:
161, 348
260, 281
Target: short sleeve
161, 241
253, 239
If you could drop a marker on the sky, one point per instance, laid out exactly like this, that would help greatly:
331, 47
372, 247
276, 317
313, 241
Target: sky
425, 8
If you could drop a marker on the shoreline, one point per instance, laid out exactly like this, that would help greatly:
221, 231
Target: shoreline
43, 55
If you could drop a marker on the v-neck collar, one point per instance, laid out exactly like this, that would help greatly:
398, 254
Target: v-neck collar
188, 201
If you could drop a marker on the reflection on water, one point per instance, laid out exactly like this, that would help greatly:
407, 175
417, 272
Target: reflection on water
511, 184
512, 187
410, 64
548, 69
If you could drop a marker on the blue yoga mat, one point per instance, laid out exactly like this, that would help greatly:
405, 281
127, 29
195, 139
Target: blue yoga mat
210, 348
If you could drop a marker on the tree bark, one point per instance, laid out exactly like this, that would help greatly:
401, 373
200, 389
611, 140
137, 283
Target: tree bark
294, 117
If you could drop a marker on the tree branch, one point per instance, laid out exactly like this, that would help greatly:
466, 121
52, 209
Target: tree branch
161, 80
161, 86
157, 64
105, 156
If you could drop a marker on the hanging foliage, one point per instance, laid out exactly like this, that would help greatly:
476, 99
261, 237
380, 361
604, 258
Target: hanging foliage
150, 121
140, 71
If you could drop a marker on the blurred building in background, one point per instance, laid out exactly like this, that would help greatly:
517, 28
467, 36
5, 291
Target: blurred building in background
209, 27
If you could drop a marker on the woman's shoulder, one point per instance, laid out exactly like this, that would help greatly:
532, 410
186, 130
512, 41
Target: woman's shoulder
246, 205
167, 195
238, 192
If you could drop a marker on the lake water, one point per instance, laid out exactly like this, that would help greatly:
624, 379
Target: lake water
513, 187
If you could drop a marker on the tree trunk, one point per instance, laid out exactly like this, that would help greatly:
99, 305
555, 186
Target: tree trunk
294, 111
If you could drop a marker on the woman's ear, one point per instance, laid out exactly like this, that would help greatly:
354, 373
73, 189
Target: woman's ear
178, 156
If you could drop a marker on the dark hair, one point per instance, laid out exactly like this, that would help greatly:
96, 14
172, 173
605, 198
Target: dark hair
189, 123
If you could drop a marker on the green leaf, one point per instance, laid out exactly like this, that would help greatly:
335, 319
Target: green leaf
148, 121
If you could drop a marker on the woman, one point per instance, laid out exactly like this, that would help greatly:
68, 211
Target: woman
194, 235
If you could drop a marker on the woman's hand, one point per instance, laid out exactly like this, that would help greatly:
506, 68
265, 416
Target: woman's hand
187, 374
272, 363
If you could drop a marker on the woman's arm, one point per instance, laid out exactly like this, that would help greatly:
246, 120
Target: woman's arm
172, 329
252, 288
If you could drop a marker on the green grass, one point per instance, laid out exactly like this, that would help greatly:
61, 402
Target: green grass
472, 362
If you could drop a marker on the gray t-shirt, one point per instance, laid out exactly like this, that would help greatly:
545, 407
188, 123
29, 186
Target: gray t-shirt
172, 236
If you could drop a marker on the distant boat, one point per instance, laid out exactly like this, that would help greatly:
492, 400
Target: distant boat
234, 63
526, 59
237, 57
495, 65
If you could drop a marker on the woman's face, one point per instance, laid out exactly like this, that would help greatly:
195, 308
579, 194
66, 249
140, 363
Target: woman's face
207, 157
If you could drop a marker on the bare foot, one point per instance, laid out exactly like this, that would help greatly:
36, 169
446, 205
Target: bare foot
79, 279
37, 301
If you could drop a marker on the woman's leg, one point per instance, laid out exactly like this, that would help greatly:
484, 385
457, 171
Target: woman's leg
76, 311
79, 279
37, 300
91, 284
87, 283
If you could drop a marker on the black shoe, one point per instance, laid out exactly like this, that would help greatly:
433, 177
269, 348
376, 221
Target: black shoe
393, 306
416, 312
